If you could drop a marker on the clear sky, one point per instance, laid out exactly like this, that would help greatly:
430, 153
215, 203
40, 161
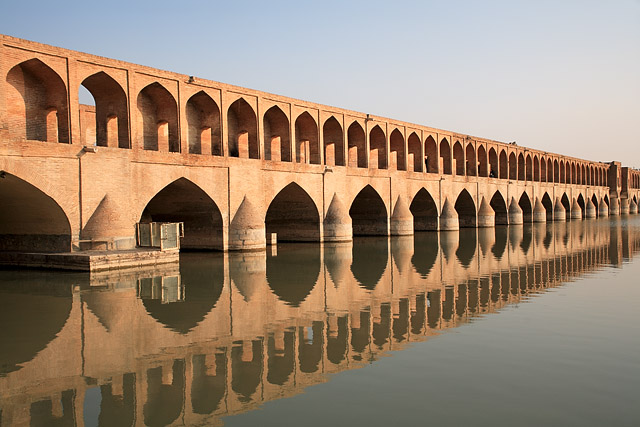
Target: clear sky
556, 75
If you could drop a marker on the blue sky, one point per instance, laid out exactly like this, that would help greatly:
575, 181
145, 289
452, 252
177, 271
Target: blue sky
561, 76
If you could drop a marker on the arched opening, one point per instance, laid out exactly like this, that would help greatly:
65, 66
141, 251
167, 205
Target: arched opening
528, 168
431, 158
368, 213
482, 161
425, 211
107, 122
310, 347
499, 206
37, 110
466, 209
566, 204
548, 206
470, 158
527, 209
333, 142
466, 250
414, 159
445, 157
504, 165
209, 386
164, 401
369, 261
458, 158
183, 201
293, 216
606, 200
568, 174
158, 114
562, 172
494, 168
582, 205
521, 170
536, 169
556, 171
203, 121
243, 130
246, 368
377, 148
30, 220
543, 170
583, 175
277, 141
513, 167
356, 146
574, 174
307, 147
592, 176
425, 253
549, 171
397, 159
594, 199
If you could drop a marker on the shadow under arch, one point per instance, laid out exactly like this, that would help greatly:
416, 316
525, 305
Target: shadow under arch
158, 114
164, 401
425, 253
207, 391
466, 246
425, 211
337, 341
31, 220
294, 272
201, 282
184, 201
500, 244
499, 206
246, 373
548, 206
466, 209
280, 362
526, 206
293, 216
368, 213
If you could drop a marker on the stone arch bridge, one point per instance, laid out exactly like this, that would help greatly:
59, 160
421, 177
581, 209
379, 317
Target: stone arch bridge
236, 165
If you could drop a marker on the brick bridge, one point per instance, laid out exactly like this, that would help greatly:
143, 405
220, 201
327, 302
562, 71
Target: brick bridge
236, 165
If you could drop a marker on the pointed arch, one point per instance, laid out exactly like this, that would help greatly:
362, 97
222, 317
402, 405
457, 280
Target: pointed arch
470, 160
548, 206
203, 125
445, 157
293, 216
368, 213
111, 118
307, 146
543, 169
521, 168
277, 138
556, 171
583, 177
566, 204
483, 169
184, 201
549, 170
431, 158
414, 159
458, 158
528, 168
499, 206
526, 206
158, 118
513, 167
377, 148
30, 219
333, 137
356, 146
563, 177
37, 108
536, 168
494, 168
243, 130
582, 204
504, 165
397, 161
293, 274
594, 199
425, 211
466, 209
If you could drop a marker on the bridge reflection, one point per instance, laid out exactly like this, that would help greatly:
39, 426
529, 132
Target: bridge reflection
226, 333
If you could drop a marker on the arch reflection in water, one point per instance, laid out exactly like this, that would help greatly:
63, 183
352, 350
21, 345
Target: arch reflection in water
228, 332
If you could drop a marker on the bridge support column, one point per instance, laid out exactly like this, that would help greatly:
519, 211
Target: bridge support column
624, 206
559, 212
515, 213
448, 217
401, 223
539, 212
614, 207
486, 215
247, 230
633, 207
590, 211
576, 210
603, 209
337, 222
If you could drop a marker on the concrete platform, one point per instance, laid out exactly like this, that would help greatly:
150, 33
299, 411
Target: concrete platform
90, 260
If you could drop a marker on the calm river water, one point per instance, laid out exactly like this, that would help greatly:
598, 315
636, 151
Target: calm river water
534, 325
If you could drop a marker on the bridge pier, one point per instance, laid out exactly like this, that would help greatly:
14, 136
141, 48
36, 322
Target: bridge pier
603, 209
624, 206
633, 207
539, 212
559, 212
247, 230
401, 222
590, 211
576, 210
486, 215
337, 222
448, 217
515, 213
